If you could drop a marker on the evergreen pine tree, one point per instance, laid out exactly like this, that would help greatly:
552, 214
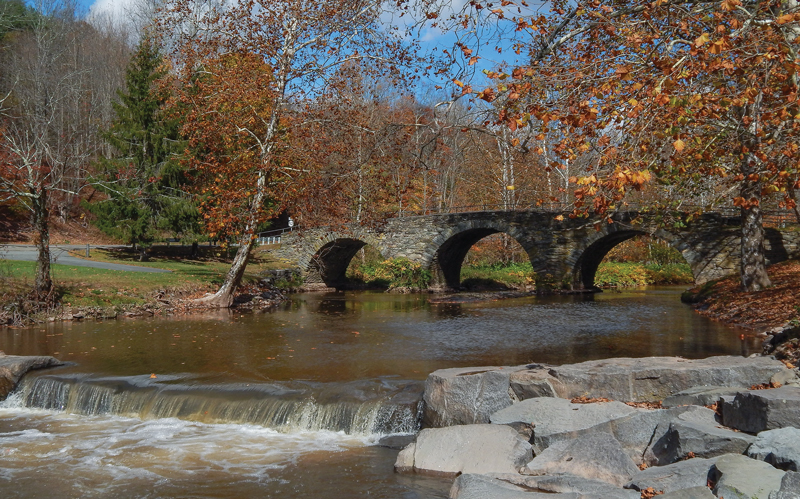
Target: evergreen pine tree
144, 179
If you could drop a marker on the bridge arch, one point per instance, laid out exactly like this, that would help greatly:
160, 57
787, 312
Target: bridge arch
448, 249
587, 258
327, 265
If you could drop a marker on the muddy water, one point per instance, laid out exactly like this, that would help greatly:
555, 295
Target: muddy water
291, 403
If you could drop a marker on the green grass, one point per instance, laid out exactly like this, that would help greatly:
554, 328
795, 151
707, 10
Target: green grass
513, 275
624, 275
88, 287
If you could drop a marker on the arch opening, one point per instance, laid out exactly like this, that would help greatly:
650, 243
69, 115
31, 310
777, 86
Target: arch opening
630, 258
329, 264
449, 260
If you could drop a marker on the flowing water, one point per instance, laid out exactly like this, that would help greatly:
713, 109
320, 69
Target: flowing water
293, 402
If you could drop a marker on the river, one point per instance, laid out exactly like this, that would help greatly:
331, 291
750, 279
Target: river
292, 402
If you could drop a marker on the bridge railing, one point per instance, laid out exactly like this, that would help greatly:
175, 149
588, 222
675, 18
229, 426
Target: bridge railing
273, 236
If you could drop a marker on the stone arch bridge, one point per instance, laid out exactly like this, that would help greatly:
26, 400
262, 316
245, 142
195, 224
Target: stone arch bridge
564, 252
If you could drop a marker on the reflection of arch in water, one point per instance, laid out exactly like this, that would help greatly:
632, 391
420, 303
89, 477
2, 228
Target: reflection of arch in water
592, 254
329, 263
452, 246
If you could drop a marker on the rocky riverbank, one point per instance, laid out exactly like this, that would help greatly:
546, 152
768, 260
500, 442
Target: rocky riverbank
618, 428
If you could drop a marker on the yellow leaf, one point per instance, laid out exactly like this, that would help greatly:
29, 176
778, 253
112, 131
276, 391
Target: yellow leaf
701, 40
678, 145
786, 18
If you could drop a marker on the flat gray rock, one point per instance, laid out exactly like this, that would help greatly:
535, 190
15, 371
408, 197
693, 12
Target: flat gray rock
700, 395
557, 419
596, 456
674, 477
780, 448
686, 438
479, 448
14, 367
535, 381
465, 395
690, 493
758, 410
653, 454
739, 477
474, 486
566, 483
637, 431
790, 487
655, 378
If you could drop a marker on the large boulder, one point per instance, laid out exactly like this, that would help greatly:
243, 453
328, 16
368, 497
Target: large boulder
739, 477
780, 448
596, 456
691, 493
565, 483
533, 381
637, 431
686, 439
14, 367
479, 448
701, 395
473, 486
790, 487
657, 452
556, 419
757, 410
678, 476
655, 378
465, 395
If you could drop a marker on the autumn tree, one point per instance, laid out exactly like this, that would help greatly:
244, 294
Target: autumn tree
691, 94
301, 43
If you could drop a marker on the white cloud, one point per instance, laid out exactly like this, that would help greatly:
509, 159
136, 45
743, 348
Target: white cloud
117, 10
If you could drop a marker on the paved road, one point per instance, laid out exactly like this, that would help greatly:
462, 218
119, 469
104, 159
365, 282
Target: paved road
59, 254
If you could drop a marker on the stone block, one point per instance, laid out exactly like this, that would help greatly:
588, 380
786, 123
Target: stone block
566, 483
674, 477
655, 378
556, 419
701, 395
473, 486
465, 395
596, 456
479, 448
758, 410
690, 438
739, 477
780, 448
790, 487
690, 493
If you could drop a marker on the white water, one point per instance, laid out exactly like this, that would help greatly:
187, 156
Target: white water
112, 456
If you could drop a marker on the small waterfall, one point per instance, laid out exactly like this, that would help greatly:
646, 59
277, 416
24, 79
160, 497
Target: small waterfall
377, 409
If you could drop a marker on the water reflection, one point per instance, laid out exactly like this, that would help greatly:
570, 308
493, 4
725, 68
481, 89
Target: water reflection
350, 336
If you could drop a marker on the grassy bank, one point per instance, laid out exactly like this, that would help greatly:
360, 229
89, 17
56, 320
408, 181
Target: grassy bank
89, 287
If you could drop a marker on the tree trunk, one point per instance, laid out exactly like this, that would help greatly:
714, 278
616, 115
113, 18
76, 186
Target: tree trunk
754, 264
43, 284
223, 298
